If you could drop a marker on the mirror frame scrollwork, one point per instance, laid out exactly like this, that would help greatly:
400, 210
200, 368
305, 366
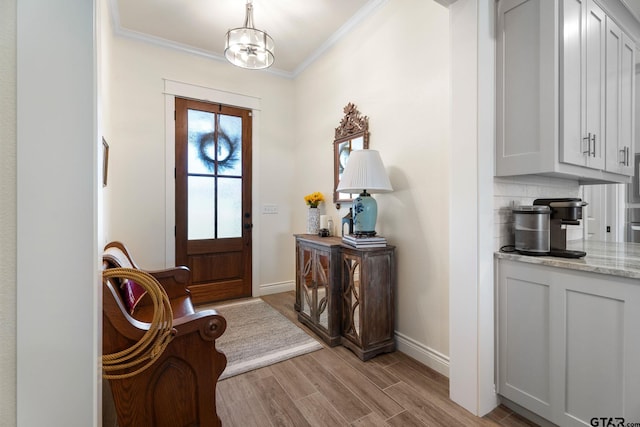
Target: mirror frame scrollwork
352, 127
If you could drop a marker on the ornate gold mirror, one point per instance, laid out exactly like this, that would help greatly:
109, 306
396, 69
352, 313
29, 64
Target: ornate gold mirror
352, 134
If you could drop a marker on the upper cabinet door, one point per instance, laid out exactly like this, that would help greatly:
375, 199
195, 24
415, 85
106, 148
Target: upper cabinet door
583, 84
627, 103
526, 97
595, 86
574, 148
620, 87
614, 47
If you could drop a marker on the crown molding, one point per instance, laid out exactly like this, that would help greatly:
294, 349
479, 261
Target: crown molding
369, 8
170, 44
365, 11
633, 11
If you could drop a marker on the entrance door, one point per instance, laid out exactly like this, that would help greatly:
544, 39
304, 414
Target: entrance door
213, 198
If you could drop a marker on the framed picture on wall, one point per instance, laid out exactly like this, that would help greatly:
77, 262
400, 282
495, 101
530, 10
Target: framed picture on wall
105, 161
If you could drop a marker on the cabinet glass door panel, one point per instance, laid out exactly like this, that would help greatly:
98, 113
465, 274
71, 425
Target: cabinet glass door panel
322, 312
306, 302
322, 291
351, 299
315, 301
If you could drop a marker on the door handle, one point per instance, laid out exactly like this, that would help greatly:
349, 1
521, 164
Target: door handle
593, 138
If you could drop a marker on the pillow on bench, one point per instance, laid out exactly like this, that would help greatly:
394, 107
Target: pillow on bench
132, 293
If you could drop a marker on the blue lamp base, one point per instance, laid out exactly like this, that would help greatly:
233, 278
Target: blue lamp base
365, 214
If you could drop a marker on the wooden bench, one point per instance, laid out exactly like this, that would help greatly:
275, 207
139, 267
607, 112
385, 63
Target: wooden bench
179, 388
174, 281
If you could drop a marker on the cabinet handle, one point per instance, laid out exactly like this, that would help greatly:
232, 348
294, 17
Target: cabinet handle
588, 138
628, 154
593, 138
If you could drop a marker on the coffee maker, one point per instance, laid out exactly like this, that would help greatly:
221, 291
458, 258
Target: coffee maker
564, 211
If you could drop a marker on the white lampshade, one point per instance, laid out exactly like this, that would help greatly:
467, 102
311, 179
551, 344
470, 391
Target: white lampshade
364, 171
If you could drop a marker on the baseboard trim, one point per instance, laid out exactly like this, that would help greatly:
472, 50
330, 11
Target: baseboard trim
276, 288
423, 354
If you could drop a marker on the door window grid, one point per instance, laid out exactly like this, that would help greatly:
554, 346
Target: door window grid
214, 174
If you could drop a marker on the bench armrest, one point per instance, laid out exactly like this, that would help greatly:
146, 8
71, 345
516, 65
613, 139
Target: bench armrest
208, 323
173, 280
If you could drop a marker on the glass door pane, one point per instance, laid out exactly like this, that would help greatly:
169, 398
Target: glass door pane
214, 169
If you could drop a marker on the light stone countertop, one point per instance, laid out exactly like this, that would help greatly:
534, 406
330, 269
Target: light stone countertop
616, 259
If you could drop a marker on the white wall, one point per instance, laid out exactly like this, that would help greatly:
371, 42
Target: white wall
395, 67
135, 195
471, 383
105, 37
8, 212
58, 284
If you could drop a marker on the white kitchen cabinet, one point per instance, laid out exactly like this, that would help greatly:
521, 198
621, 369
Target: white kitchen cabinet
620, 70
568, 342
583, 84
628, 102
552, 91
524, 338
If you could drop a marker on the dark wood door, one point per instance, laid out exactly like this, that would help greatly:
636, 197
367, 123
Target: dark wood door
213, 198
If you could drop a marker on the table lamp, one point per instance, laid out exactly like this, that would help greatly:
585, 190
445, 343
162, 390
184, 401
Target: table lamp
364, 173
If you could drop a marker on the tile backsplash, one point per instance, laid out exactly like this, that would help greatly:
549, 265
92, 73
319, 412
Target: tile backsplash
510, 192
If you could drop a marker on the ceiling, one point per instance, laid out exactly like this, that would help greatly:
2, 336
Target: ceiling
301, 29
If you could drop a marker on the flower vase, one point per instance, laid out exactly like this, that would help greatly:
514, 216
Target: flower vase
313, 220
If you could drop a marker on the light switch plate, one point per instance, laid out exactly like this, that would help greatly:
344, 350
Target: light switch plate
269, 209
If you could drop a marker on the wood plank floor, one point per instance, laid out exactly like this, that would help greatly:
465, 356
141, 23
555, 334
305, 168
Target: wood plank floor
332, 387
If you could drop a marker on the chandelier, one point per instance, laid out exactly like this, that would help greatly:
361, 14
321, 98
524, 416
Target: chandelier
247, 47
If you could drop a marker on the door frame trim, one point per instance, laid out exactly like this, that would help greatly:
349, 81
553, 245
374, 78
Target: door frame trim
173, 89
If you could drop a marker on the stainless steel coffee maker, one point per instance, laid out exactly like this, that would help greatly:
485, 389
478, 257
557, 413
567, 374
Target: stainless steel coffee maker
531, 229
564, 211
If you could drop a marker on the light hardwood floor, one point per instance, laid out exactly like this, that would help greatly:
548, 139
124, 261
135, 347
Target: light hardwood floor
332, 387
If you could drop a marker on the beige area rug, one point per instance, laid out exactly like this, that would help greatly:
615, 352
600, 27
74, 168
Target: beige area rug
257, 335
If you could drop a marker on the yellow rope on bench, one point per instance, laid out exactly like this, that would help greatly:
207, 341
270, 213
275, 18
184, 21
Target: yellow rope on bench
142, 354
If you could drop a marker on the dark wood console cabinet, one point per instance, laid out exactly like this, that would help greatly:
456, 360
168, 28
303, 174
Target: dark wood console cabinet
317, 296
346, 295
